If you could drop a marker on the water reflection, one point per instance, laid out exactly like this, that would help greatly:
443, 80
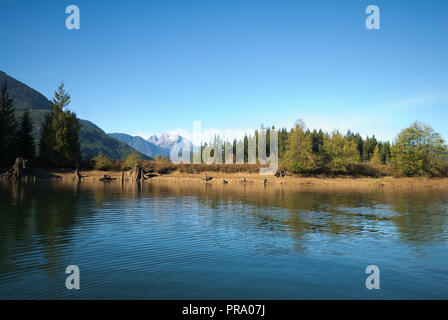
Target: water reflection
43, 224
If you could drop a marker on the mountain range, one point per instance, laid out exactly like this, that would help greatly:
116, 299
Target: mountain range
166, 140
154, 145
142, 145
93, 139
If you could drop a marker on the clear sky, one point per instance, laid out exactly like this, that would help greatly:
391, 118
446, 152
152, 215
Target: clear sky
148, 67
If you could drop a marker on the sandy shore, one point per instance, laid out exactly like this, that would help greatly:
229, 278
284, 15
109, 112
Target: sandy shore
257, 179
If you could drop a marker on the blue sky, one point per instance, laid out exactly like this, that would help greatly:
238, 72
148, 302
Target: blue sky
148, 67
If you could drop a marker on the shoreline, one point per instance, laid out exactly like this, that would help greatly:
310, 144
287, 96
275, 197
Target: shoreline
257, 179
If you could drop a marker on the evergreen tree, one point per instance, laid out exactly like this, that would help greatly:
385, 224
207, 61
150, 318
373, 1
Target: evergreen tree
340, 152
26, 147
299, 153
246, 147
359, 144
369, 148
268, 141
282, 138
385, 152
59, 144
8, 125
317, 139
376, 157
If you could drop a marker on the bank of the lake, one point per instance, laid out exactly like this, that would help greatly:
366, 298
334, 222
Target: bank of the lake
268, 180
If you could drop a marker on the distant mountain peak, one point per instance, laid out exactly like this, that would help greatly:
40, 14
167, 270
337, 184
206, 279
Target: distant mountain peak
166, 140
144, 146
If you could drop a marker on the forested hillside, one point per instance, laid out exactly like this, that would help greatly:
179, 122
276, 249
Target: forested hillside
93, 140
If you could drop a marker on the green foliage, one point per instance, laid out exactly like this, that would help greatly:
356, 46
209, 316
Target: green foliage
102, 162
317, 141
131, 160
299, 151
8, 125
37, 118
368, 148
385, 152
282, 141
376, 157
358, 140
340, 152
59, 143
25, 147
419, 150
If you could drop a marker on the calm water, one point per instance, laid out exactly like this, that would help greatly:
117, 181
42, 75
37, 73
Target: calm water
182, 241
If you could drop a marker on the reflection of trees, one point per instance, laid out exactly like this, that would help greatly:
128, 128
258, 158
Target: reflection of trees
55, 216
418, 215
36, 218
423, 217
40, 217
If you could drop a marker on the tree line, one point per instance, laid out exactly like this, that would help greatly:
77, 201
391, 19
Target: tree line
59, 141
416, 151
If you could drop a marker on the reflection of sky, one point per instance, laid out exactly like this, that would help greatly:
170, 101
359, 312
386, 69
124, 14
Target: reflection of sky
171, 241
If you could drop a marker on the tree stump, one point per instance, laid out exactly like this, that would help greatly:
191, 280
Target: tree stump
77, 175
137, 173
19, 169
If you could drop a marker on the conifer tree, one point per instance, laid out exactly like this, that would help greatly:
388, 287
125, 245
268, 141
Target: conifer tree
8, 125
376, 157
385, 152
59, 143
26, 147
340, 152
369, 148
299, 152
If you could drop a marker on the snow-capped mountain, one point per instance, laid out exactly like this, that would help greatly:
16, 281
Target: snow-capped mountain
140, 144
166, 140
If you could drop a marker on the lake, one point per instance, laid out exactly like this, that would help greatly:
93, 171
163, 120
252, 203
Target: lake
209, 241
